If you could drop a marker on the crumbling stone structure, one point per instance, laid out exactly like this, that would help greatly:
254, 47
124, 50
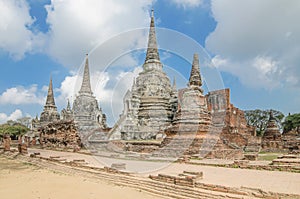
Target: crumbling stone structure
291, 141
235, 131
272, 138
61, 134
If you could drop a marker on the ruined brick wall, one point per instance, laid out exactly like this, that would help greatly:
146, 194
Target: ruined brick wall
235, 132
223, 111
291, 140
218, 101
61, 134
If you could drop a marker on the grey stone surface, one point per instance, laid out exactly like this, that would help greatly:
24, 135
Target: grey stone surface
151, 103
49, 113
86, 112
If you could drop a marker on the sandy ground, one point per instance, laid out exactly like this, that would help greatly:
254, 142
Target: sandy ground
21, 180
275, 181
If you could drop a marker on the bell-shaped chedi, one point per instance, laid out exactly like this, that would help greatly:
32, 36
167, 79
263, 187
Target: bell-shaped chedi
148, 106
49, 113
67, 113
86, 112
193, 115
272, 131
272, 139
192, 121
195, 80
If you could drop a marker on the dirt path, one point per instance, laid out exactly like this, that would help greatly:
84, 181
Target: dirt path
19, 180
275, 181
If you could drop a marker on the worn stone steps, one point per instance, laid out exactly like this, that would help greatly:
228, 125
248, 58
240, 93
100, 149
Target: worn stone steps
154, 187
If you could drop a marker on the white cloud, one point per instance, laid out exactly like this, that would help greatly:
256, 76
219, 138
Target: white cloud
259, 39
16, 38
78, 26
255, 73
13, 116
109, 89
21, 95
71, 85
187, 3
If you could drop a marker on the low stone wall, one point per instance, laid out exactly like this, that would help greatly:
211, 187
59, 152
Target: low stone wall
141, 147
227, 154
184, 179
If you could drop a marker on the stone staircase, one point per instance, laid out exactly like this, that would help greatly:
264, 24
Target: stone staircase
287, 160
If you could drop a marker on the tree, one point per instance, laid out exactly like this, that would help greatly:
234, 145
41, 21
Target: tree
259, 119
13, 130
292, 122
26, 121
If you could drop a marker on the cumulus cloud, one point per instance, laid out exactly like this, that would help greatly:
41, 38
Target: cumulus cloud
71, 85
108, 87
76, 27
258, 41
187, 3
21, 95
16, 36
13, 116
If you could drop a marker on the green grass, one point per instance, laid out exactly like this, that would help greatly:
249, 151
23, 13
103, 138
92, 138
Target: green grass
268, 157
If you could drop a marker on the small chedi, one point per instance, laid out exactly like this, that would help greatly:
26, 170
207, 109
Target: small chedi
272, 138
192, 114
49, 113
67, 113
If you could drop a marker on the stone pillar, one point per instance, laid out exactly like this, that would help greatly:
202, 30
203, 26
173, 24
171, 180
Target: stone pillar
20, 143
6, 142
33, 141
22, 146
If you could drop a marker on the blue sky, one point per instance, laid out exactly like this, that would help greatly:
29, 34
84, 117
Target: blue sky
255, 49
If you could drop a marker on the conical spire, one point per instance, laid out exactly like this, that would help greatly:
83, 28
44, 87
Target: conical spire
271, 116
68, 106
86, 84
50, 96
152, 52
195, 77
174, 84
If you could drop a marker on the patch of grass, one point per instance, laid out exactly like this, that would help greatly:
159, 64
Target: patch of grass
267, 157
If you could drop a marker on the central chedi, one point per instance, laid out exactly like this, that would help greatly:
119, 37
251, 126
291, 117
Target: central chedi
86, 112
148, 107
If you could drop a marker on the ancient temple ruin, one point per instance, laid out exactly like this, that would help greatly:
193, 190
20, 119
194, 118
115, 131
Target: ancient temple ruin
272, 138
67, 113
86, 112
192, 114
49, 113
184, 122
149, 107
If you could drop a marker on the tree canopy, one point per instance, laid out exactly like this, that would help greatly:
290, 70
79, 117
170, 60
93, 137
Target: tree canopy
292, 122
259, 119
13, 129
